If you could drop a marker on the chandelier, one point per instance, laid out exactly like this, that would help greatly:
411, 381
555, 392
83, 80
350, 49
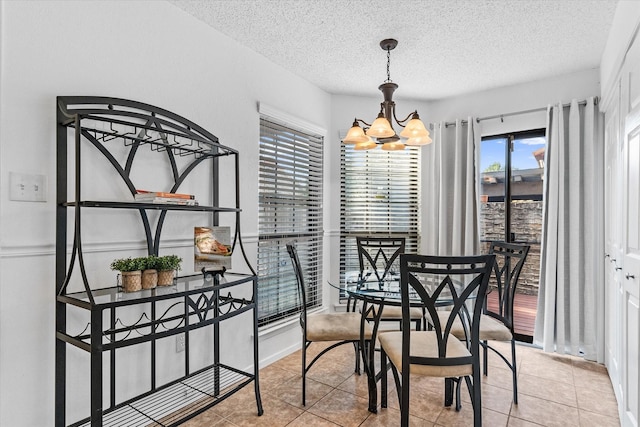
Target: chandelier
381, 131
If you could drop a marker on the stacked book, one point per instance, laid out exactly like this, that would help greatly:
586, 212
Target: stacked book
145, 196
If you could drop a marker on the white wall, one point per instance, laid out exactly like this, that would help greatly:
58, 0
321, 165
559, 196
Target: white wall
147, 51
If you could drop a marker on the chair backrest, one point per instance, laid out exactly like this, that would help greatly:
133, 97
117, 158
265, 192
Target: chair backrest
510, 257
302, 292
460, 283
379, 254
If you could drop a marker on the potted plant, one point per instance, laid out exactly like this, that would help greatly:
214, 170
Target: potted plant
167, 266
149, 272
131, 272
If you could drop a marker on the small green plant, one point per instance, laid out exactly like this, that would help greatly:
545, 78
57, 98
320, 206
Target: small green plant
129, 264
151, 263
168, 262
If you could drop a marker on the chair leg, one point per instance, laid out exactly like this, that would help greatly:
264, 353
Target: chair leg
458, 397
404, 402
485, 352
304, 371
514, 371
356, 346
476, 396
383, 379
448, 391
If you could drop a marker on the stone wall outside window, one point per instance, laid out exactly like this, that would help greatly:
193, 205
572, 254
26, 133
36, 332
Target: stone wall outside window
526, 223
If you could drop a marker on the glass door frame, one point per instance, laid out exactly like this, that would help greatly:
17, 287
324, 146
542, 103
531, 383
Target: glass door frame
508, 197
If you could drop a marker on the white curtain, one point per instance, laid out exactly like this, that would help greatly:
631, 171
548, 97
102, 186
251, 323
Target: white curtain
570, 315
451, 226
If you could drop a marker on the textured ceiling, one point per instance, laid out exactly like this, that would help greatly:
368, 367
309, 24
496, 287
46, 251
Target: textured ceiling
446, 47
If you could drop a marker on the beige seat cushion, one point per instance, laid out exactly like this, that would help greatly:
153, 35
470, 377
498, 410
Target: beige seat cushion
395, 312
424, 344
336, 327
490, 328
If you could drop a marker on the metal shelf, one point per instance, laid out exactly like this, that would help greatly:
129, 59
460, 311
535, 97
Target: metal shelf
171, 404
152, 206
192, 302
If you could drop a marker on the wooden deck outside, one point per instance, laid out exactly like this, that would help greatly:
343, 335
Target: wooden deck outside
524, 311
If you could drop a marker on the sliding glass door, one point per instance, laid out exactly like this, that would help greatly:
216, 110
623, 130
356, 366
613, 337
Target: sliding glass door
512, 171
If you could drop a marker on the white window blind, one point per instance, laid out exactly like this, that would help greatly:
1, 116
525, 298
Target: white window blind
380, 195
290, 209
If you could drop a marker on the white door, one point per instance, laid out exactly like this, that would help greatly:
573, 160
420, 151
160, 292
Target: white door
613, 248
631, 270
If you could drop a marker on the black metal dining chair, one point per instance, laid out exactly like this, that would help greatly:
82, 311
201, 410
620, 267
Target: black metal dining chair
344, 328
378, 260
496, 324
462, 280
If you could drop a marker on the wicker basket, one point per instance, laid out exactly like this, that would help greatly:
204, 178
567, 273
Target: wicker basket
165, 277
149, 279
131, 280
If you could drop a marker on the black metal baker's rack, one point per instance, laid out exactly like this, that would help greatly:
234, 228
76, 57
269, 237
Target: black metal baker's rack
193, 302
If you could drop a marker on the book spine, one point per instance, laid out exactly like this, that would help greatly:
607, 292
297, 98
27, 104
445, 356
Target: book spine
143, 194
170, 200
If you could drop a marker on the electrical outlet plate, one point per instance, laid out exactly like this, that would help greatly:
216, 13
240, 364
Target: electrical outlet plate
180, 343
27, 187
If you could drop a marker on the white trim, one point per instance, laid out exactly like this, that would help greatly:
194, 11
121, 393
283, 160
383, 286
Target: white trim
290, 120
31, 250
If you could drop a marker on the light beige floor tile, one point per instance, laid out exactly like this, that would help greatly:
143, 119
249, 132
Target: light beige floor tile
517, 422
391, 418
276, 413
548, 366
544, 412
587, 376
307, 419
594, 400
590, 419
449, 417
272, 376
330, 371
206, 419
493, 398
423, 404
342, 408
291, 392
498, 376
359, 385
244, 398
292, 362
556, 391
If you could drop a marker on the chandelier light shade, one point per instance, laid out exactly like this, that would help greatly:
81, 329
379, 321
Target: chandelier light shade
414, 132
356, 135
367, 145
380, 128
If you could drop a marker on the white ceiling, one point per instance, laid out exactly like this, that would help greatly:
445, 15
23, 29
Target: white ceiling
446, 47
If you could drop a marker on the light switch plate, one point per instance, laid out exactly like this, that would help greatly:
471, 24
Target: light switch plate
27, 187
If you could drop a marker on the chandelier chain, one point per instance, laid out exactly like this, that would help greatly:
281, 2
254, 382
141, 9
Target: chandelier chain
388, 62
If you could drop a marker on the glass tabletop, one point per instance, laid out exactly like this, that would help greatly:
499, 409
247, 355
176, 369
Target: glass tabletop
367, 286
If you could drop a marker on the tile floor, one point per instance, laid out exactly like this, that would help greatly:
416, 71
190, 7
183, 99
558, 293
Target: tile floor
554, 390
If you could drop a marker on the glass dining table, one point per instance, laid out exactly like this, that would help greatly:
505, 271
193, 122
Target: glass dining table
370, 297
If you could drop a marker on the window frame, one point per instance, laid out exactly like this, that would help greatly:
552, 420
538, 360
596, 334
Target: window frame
290, 201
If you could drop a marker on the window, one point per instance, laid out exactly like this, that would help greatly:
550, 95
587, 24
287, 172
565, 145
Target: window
380, 195
290, 209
